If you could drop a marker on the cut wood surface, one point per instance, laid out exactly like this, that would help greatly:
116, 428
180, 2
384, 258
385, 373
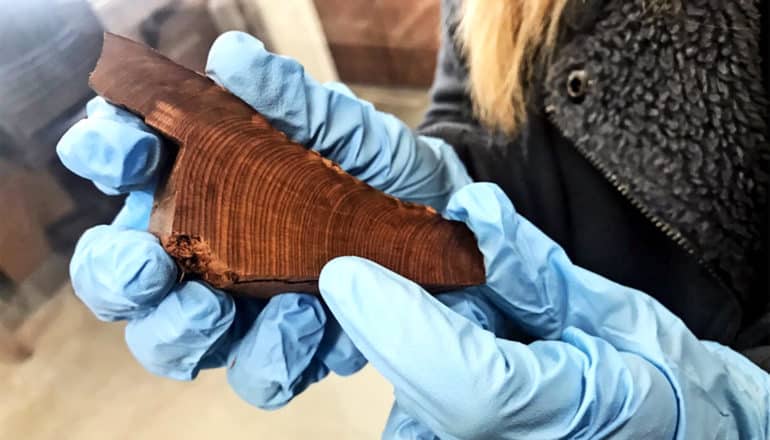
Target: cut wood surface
248, 210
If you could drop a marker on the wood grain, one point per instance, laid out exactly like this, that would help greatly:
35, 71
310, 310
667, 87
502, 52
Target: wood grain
248, 210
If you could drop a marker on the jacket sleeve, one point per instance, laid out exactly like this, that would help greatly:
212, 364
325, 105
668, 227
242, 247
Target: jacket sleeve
755, 340
450, 101
450, 114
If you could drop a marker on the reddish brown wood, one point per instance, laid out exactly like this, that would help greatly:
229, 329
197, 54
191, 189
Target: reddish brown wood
250, 211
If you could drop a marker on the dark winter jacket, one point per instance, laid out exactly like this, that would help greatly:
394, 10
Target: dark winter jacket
644, 155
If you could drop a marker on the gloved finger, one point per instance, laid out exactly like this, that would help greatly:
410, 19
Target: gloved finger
175, 337
485, 386
373, 146
275, 359
519, 279
401, 426
120, 273
473, 305
135, 213
531, 279
337, 351
99, 108
656, 404
404, 332
118, 156
275, 86
418, 182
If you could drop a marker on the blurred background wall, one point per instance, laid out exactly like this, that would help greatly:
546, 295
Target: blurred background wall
63, 374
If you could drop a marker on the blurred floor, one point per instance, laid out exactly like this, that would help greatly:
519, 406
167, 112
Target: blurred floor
82, 383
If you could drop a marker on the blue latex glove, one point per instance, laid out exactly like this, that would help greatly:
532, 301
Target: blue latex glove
273, 349
611, 362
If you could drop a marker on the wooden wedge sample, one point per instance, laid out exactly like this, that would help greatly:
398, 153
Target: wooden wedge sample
248, 210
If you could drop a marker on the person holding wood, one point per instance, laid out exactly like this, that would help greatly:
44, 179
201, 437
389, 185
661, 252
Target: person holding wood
631, 138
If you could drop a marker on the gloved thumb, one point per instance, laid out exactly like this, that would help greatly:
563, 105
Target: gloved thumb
461, 381
517, 259
440, 363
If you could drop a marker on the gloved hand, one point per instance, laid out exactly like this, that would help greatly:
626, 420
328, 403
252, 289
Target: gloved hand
611, 362
273, 349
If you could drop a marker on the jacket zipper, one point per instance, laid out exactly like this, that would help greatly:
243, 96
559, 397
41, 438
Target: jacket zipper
671, 232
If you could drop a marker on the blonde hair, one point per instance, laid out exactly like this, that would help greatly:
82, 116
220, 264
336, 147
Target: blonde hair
504, 41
